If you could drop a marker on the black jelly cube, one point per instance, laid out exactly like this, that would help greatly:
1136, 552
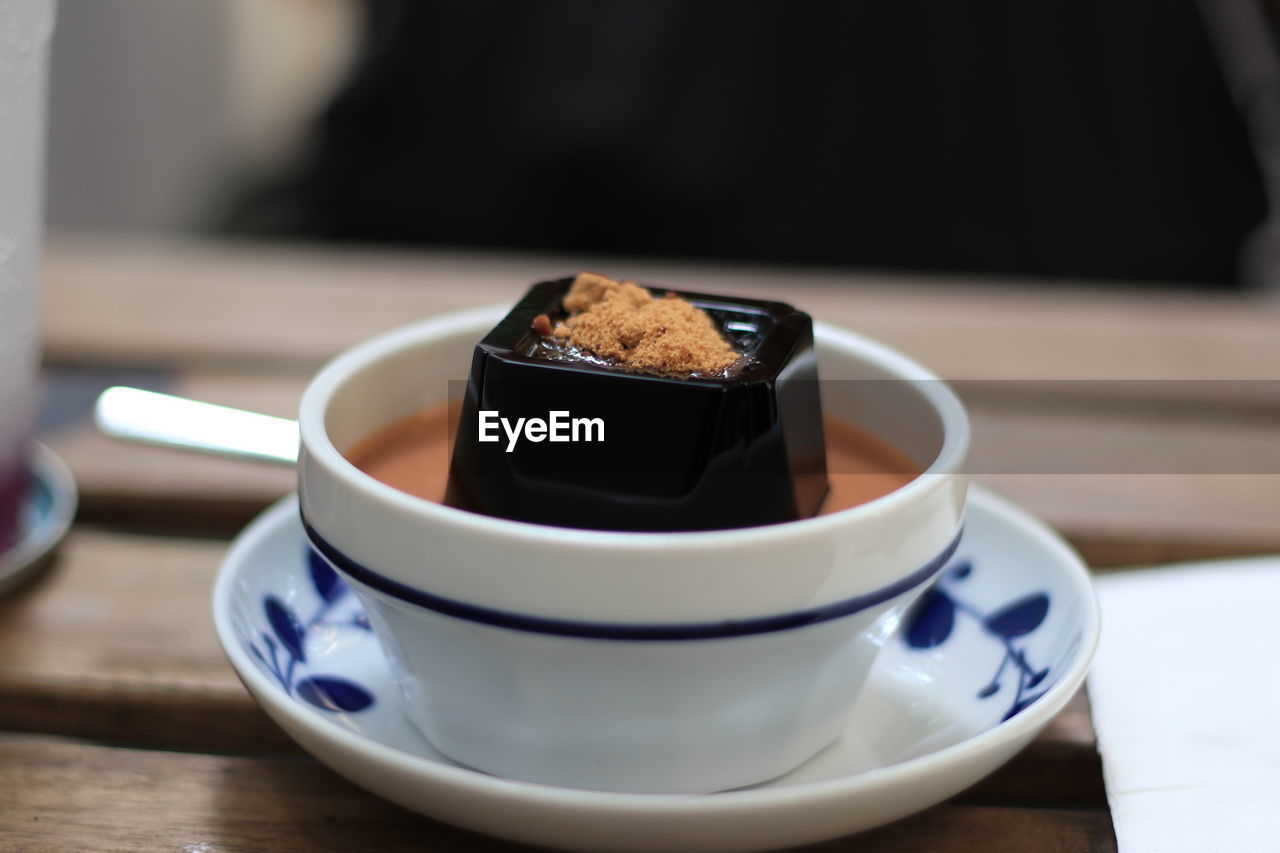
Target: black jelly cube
677, 453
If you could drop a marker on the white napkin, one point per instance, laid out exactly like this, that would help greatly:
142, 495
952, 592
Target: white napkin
1185, 691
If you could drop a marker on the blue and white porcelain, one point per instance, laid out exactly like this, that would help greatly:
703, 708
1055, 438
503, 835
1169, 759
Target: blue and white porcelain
45, 517
640, 662
975, 670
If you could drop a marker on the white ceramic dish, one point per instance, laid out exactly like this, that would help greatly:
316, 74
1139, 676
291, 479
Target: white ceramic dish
977, 669
639, 662
46, 516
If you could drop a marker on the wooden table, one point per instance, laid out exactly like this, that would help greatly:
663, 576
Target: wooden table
121, 724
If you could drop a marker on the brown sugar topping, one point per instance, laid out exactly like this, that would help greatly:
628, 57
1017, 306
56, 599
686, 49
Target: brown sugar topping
624, 323
542, 325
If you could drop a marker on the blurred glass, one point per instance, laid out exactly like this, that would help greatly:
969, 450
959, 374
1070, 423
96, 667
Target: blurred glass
25, 26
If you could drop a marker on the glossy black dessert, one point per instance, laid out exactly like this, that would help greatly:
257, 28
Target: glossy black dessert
679, 452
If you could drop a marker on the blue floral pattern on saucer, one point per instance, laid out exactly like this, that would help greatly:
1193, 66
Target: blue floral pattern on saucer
283, 651
933, 617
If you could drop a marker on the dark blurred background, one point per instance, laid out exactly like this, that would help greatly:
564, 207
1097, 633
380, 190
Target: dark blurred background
1087, 139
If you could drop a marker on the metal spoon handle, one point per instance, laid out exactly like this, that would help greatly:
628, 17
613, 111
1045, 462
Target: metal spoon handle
151, 418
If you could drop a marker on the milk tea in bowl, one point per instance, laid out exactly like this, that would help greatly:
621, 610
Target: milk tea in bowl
660, 555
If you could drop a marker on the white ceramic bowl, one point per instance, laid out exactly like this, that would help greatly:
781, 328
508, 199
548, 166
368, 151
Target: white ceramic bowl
645, 662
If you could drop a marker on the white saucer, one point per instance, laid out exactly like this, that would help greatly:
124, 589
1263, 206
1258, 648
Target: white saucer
973, 674
46, 515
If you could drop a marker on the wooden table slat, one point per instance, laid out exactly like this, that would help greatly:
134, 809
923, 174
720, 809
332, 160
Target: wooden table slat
294, 307
72, 796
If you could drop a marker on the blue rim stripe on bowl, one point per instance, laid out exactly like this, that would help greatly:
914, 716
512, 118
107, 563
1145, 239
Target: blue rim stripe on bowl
623, 631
